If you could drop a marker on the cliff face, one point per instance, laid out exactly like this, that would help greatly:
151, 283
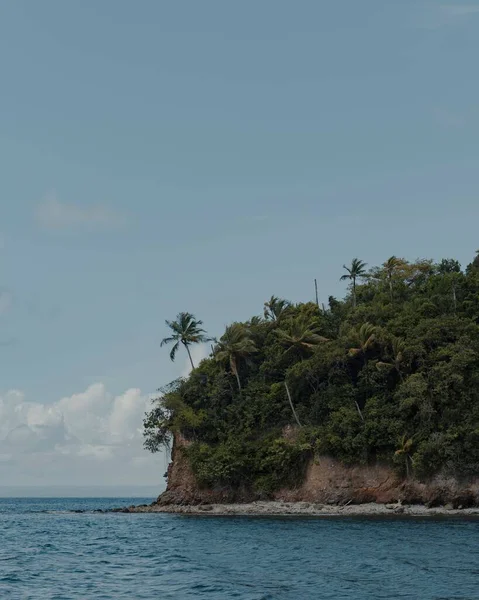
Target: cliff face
327, 481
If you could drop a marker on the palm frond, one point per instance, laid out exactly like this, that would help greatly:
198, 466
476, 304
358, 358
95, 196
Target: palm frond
168, 340
174, 350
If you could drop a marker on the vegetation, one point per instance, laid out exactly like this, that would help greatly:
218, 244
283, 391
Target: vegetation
235, 345
389, 374
186, 331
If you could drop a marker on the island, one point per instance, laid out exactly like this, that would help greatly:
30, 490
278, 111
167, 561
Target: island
368, 401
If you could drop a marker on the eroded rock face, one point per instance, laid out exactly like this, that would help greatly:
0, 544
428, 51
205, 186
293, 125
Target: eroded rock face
327, 481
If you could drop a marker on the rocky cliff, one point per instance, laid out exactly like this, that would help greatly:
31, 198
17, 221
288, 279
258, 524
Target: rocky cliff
327, 481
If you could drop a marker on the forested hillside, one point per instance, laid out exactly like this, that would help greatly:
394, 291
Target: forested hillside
390, 374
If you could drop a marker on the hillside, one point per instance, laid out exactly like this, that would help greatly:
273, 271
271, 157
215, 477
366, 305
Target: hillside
385, 379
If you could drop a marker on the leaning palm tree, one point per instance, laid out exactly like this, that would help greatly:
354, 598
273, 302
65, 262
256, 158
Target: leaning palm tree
275, 308
187, 331
365, 338
396, 361
234, 345
300, 335
356, 271
391, 267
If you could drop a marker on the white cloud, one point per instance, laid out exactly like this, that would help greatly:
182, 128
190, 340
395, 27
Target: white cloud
54, 214
198, 353
90, 438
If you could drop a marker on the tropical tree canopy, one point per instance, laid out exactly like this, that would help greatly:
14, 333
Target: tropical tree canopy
235, 344
301, 335
275, 308
393, 379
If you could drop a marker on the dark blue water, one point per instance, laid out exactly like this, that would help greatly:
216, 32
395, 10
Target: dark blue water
49, 553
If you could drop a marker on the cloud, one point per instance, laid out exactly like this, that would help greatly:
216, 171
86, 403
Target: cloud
5, 301
460, 10
198, 353
443, 15
89, 438
57, 215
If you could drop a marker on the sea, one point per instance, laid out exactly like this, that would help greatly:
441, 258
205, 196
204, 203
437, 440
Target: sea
50, 551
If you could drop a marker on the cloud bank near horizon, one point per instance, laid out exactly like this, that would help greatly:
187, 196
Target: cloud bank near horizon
90, 438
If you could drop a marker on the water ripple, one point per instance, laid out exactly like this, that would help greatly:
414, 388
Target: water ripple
51, 551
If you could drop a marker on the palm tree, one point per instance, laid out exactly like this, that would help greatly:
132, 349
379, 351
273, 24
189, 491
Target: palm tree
398, 345
187, 331
300, 335
365, 338
354, 272
275, 308
256, 321
234, 345
405, 447
390, 267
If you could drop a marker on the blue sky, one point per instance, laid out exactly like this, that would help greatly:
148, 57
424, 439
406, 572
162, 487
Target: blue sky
202, 156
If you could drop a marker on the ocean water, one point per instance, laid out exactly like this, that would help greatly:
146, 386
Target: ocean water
48, 552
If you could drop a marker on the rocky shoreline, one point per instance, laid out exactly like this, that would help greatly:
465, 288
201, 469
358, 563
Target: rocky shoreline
304, 509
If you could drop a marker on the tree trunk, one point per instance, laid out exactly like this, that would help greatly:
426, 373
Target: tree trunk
391, 288
189, 355
234, 369
317, 297
291, 404
238, 380
354, 292
359, 410
454, 299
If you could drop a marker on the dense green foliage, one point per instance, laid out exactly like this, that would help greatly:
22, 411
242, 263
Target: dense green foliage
390, 374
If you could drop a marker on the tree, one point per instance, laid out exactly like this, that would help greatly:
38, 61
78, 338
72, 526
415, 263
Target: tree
234, 345
187, 331
365, 338
356, 271
300, 335
404, 451
397, 359
391, 266
449, 265
275, 308
474, 266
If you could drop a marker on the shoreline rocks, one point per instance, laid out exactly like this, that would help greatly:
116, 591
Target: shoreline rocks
305, 509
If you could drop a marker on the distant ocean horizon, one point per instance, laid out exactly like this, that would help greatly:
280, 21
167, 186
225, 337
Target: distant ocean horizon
81, 491
61, 548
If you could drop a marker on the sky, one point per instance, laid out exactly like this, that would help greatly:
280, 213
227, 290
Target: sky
201, 156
